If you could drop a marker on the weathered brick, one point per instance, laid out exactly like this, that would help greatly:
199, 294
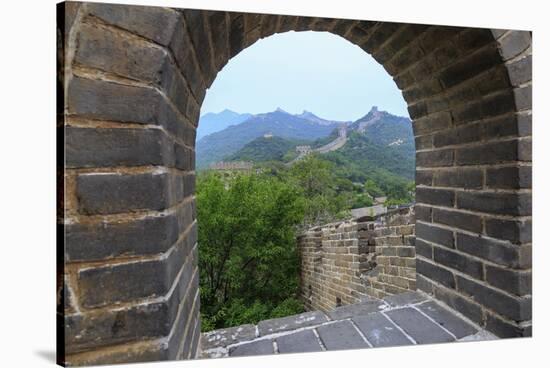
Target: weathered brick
435, 158
182, 49
107, 50
518, 204
515, 177
195, 21
495, 251
470, 66
516, 231
424, 249
154, 23
514, 43
431, 123
115, 193
110, 101
518, 309
525, 150
461, 304
218, 33
488, 153
523, 96
94, 241
459, 262
459, 135
520, 71
514, 281
506, 329
435, 273
461, 220
504, 126
424, 177
461, 178
124, 282
423, 213
91, 147
438, 197
236, 33
435, 234
85, 331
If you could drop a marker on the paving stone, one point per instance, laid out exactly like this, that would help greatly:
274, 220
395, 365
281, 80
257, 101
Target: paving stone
228, 336
341, 335
260, 347
291, 323
360, 309
420, 328
457, 326
299, 342
402, 299
380, 331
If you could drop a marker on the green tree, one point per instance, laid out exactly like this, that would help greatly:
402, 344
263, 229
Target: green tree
248, 261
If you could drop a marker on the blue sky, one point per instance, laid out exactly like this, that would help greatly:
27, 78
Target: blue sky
315, 71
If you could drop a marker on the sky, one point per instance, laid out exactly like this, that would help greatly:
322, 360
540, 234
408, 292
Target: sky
314, 71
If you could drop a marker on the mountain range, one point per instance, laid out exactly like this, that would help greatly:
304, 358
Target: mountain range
305, 126
212, 122
378, 140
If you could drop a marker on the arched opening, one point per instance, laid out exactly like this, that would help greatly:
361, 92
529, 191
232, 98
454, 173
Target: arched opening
298, 143
134, 80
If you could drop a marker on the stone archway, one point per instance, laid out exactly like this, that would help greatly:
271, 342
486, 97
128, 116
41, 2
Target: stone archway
132, 80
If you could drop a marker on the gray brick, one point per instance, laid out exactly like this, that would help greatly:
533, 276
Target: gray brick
435, 273
461, 178
341, 335
459, 262
358, 309
438, 197
443, 157
513, 281
123, 282
269, 326
488, 153
420, 328
506, 329
260, 347
435, 234
518, 309
520, 71
516, 204
457, 326
111, 101
114, 193
516, 231
461, 304
89, 147
516, 177
95, 241
105, 49
403, 299
228, 336
380, 332
461, 220
514, 43
150, 22
299, 342
495, 251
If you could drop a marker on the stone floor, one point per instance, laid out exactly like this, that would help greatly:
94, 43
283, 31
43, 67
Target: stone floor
403, 319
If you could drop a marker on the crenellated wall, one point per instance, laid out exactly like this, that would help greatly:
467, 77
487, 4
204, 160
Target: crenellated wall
346, 261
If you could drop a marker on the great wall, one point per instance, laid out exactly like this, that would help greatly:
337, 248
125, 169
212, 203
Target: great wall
132, 79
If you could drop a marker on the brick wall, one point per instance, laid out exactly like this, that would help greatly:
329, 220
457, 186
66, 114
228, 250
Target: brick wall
342, 263
131, 81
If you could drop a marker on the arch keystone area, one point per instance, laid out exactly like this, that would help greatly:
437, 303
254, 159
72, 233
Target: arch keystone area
131, 80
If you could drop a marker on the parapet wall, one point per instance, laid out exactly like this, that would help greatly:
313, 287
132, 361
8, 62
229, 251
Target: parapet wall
346, 261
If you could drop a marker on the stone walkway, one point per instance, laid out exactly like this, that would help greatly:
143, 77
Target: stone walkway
403, 319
